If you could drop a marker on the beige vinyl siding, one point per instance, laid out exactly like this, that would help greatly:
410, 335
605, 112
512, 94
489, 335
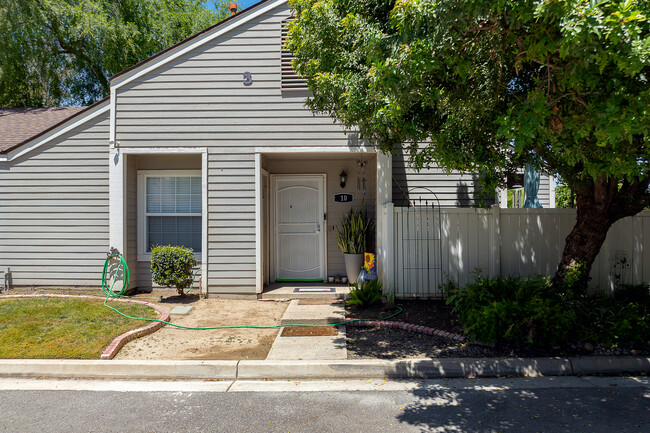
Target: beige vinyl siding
54, 210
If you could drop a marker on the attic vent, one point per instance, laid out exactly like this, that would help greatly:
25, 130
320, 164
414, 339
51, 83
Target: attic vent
290, 80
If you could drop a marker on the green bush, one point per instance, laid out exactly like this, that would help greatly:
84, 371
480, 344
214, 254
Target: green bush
172, 267
365, 294
509, 309
519, 311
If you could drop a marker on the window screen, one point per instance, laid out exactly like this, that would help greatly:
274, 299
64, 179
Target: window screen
173, 211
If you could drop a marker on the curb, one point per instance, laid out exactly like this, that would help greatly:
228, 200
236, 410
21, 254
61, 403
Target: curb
118, 342
118, 369
335, 369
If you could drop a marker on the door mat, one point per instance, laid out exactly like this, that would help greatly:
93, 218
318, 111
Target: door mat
311, 331
319, 301
314, 290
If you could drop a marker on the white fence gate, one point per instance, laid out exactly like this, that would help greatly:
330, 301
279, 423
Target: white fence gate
505, 242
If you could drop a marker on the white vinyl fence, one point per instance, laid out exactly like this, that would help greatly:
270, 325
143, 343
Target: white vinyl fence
429, 245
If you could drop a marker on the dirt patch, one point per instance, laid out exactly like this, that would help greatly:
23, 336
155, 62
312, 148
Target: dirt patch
386, 343
319, 301
219, 344
185, 344
309, 331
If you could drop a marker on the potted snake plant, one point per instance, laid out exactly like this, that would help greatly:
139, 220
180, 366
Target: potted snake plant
352, 236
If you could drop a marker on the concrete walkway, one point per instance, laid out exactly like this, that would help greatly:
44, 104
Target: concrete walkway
311, 347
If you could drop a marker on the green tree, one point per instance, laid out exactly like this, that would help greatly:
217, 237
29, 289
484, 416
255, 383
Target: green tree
563, 198
55, 52
492, 85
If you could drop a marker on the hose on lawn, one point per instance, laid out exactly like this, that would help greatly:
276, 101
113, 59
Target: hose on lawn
110, 293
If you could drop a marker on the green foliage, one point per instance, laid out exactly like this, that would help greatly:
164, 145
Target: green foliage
509, 310
63, 52
365, 294
172, 267
563, 197
354, 232
521, 311
492, 85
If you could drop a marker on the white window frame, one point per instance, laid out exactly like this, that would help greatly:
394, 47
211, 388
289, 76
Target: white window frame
143, 255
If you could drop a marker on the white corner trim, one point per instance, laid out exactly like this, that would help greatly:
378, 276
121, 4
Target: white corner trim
259, 282
168, 57
204, 223
40, 141
113, 124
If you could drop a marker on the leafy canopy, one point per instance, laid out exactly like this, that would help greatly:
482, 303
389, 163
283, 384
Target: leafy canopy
487, 83
63, 52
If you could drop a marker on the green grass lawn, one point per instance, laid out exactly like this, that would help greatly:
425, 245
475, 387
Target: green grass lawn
63, 328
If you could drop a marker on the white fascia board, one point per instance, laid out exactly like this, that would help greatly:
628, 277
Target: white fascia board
168, 57
154, 150
55, 133
317, 149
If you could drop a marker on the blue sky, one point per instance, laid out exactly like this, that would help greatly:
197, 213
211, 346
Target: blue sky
243, 4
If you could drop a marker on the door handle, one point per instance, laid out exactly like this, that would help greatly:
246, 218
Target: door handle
317, 228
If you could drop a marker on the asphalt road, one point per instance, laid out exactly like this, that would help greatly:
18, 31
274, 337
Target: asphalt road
464, 405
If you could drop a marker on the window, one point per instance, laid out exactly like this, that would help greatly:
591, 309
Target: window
171, 210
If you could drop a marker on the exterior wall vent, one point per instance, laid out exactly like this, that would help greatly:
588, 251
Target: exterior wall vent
290, 80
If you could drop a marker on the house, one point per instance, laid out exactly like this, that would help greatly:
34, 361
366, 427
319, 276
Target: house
207, 144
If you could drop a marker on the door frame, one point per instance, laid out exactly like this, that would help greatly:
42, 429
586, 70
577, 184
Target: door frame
272, 233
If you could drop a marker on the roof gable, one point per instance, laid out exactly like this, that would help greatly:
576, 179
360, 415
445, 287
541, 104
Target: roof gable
193, 42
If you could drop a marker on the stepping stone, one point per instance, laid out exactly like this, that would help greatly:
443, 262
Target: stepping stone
181, 310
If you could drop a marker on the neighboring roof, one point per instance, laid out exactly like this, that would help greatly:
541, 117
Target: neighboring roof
190, 39
19, 125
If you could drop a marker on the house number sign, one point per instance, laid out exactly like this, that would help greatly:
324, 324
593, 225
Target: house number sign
343, 198
247, 78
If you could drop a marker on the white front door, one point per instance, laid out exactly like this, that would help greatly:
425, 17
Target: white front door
299, 240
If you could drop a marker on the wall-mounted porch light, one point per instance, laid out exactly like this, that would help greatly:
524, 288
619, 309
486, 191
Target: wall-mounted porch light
344, 177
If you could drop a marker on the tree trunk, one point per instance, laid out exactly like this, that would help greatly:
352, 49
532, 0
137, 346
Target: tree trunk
597, 209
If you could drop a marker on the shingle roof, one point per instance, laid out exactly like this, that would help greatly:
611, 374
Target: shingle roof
19, 125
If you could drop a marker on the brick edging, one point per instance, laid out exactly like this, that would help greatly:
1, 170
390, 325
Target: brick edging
118, 342
407, 327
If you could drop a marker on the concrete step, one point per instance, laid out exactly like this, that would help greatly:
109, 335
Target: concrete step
304, 291
313, 312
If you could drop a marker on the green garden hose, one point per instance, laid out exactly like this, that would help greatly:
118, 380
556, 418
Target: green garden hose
122, 264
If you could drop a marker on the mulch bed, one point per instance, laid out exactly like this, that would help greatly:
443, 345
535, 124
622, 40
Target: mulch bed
309, 331
387, 343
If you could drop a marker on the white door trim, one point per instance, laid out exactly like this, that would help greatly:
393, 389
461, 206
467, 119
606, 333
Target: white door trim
272, 233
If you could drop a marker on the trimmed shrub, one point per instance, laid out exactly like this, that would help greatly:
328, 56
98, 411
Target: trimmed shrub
172, 267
